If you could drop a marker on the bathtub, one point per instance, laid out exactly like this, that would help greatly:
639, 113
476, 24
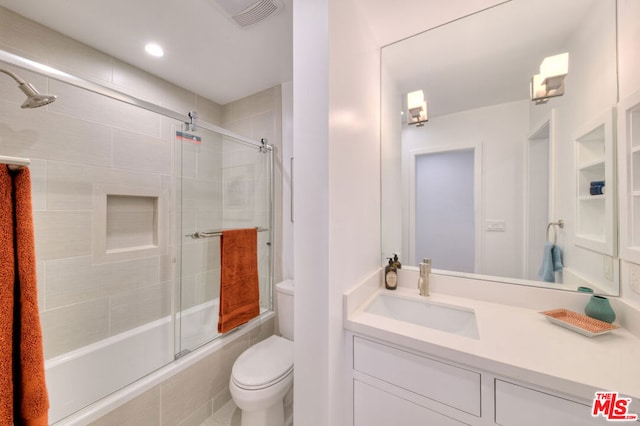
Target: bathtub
88, 374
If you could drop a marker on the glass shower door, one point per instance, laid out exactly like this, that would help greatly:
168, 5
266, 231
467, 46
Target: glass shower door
225, 184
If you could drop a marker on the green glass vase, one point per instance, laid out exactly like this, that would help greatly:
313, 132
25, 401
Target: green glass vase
600, 308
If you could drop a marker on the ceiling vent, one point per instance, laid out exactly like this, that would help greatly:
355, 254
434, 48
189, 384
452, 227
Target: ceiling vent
249, 12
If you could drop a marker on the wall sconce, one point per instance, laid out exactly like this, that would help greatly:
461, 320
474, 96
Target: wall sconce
550, 81
417, 108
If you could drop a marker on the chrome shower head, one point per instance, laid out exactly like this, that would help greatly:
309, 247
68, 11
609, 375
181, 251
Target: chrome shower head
34, 98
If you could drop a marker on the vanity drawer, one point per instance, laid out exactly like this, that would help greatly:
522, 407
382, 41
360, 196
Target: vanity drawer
374, 407
450, 385
521, 406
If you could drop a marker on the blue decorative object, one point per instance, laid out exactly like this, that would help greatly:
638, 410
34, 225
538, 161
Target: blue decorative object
600, 308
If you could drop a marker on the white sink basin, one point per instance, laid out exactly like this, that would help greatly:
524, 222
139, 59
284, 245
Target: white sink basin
452, 319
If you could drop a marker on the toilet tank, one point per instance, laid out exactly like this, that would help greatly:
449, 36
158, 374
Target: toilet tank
284, 294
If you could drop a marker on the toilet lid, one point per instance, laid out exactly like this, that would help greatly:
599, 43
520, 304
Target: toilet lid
263, 363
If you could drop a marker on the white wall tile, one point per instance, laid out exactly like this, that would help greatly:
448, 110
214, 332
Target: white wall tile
80, 103
38, 169
209, 163
208, 218
61, 234
74, 326
139, 306
249, 106
133, 151
241, 127
41, 277
70, 186
67, 54
209, 111
151, 88
77, 279
23, 36
39, 134
263, 126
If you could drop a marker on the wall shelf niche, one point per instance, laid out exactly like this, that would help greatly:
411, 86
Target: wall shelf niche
595, 165
129, 222
629, 180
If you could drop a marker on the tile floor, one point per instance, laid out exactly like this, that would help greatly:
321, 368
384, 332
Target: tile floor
229, 415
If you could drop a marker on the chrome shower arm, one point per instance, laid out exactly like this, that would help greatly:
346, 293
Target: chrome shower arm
12, 75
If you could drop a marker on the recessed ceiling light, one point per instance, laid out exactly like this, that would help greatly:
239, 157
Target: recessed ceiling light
154, 49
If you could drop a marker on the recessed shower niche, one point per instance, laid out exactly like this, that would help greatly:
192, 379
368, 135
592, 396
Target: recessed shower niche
128, 223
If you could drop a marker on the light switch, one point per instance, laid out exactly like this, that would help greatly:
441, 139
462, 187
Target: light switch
495, 225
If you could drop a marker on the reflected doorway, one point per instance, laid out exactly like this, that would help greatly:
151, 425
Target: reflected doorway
445, 209
538, 209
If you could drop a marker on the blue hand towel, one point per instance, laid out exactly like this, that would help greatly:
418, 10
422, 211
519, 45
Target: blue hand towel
556, 256
546, 269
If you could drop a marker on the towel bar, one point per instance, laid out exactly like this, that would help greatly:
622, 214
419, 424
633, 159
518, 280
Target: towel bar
559, 224
14, 163
215, 233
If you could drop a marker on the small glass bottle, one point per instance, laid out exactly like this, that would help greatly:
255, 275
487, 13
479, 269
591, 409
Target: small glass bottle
390, 276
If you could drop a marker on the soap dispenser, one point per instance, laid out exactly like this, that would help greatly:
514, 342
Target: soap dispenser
396, 261
390, 275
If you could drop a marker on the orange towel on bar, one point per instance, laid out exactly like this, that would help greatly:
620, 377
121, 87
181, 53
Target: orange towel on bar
23, 392
239, 293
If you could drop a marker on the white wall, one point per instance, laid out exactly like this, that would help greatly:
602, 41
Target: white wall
354, 175
311, 194
287, 179
629, 74
337, 194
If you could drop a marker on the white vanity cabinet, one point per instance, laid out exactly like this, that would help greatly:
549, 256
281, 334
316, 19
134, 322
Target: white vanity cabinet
395, 386
518, 405
375, 407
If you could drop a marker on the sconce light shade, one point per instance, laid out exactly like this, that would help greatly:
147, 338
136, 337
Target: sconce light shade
550, 81
554, 69
417, 108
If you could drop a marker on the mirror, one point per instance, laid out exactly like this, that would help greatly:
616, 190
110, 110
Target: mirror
494, 185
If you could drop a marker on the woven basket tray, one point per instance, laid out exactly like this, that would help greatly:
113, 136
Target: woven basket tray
578, 322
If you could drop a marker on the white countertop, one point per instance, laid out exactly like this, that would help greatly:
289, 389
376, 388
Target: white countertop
515, 341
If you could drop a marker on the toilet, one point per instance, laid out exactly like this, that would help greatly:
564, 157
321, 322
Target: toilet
261, 382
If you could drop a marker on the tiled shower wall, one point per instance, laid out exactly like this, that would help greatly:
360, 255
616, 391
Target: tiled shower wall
260, 116
82, 142
79, 144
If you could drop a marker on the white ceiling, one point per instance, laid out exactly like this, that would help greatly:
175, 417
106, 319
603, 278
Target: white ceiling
205, 51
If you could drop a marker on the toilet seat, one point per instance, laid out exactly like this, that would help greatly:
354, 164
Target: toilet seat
264, 364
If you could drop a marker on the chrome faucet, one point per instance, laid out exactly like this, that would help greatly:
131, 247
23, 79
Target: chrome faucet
423, 281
